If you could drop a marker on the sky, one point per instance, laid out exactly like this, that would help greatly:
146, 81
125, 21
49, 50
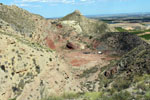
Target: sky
60, 8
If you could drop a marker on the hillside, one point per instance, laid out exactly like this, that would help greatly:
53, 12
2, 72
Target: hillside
119, 42
25, 65
71, 58
87, 26
130, 74
19, 20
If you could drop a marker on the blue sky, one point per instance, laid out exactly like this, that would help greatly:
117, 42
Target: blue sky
58, 8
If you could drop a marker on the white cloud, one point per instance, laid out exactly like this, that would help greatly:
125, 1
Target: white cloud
56, 1
23, 5
26, 2
51, 1
83, 0
27, 5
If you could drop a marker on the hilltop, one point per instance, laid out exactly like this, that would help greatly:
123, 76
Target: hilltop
88, 26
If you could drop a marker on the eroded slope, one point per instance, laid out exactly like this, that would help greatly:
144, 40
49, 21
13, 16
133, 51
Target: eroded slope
28, 71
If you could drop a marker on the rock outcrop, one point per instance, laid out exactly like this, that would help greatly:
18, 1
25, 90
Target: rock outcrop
87, 26
136, 61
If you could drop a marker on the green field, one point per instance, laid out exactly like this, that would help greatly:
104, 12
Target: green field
146, 36
120, 29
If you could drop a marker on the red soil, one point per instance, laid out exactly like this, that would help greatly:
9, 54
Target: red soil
78, 58
79, 62
59, 26
50, 43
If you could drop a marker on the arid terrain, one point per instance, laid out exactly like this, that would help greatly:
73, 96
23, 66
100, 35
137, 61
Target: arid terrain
71, 58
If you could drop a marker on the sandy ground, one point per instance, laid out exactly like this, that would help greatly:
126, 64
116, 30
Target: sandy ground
86, 58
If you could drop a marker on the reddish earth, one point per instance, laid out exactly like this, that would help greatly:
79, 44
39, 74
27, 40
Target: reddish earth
50, 43
80, 58
72, 53
79, 62
59, 26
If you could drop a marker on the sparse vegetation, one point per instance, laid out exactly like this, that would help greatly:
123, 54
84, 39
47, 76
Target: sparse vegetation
96, 96
87, 72
92, 95
112, 93
13, 99
121, 84
64, 96
118, 96
36, 46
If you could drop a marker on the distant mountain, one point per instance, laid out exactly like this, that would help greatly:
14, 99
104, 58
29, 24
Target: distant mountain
120, 15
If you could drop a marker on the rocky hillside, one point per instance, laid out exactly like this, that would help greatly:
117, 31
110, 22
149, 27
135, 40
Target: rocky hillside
18, 19
28, 71
86, 26
130, 74
120, 42
125, 79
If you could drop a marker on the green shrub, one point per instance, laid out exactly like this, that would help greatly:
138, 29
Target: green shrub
142, 86
92, 95
12, 99
87, 72
65, 96
147, 96
70, 95
52, 98
118, 96
121, 84
122, 96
